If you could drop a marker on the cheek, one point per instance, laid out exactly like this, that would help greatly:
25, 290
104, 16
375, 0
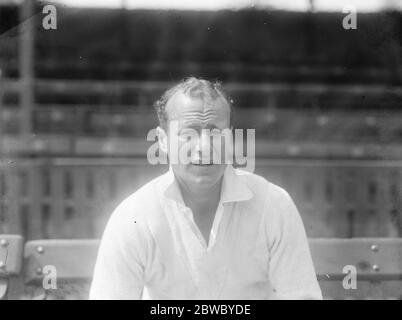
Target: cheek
222, 151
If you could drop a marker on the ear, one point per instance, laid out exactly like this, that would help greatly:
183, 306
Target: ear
162, 139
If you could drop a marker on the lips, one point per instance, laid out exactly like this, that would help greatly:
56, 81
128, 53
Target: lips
202, 164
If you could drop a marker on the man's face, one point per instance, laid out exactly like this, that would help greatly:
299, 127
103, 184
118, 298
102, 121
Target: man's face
188, 115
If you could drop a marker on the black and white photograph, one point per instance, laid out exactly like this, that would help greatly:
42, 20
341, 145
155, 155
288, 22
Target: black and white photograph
197, 151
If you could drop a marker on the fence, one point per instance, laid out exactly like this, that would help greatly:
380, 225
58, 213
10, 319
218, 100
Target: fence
73, 198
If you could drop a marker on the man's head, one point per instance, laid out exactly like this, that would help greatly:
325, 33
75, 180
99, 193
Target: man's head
194, 105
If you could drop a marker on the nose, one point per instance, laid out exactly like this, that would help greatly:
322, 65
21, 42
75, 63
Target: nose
203, 146
205, 141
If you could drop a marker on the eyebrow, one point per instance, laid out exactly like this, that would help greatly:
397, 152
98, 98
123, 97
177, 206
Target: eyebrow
197, 124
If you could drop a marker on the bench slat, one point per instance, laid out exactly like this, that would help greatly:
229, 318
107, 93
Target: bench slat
73, 259
374, 258
329, 256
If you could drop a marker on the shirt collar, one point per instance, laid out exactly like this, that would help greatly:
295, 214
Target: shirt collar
233, 188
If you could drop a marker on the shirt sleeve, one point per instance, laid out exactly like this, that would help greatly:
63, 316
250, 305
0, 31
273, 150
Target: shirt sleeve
119, 268
291, 268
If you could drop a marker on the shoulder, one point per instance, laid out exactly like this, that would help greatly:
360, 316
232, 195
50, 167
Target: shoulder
271, 202
280, 216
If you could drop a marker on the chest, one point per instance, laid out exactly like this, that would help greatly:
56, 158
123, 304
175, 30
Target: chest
203, 220
235, 264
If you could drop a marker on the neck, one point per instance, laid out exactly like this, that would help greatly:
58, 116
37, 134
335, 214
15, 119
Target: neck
198, 198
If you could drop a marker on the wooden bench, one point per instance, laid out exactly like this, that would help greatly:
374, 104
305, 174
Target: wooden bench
377, 261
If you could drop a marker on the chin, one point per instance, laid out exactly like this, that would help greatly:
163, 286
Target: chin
205, 181
208, 176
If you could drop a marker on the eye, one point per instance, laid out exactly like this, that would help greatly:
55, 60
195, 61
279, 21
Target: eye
217, 131
186, 132
220, 132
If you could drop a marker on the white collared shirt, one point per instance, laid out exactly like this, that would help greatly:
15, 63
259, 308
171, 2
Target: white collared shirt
152, 248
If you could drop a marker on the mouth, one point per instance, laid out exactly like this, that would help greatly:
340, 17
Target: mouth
202, 164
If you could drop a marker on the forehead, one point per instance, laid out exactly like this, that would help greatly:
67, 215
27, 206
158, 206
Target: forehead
184, 108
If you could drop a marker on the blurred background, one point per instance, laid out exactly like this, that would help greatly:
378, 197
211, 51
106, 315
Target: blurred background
76, 105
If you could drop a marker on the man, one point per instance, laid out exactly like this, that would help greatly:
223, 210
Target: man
203, 230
